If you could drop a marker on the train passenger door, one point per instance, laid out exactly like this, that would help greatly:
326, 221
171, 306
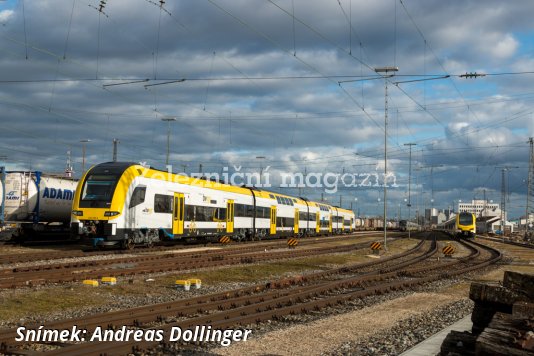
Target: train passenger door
273, 220
178, 214
296, 226
230, 216
318, 218
330, 223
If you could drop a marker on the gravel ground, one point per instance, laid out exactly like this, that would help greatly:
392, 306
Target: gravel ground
407, 332
341, 330
405, 318
102, 257
377, 325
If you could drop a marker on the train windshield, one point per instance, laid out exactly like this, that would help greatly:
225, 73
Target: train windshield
466, 219
98, 190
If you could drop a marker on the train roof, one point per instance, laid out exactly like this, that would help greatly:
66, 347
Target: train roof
135, 170
130, 170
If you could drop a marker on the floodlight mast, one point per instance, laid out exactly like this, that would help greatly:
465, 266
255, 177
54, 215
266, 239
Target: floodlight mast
386, 70
168, 120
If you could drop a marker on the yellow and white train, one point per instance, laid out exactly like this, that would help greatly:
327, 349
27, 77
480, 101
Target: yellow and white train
122, 203
462, 225
466, 224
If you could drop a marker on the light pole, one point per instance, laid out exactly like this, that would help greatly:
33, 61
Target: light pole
378, 207
84, 141
261, 168
423, 194
386, 70
409, 184
115, 143
168, 120
3, 185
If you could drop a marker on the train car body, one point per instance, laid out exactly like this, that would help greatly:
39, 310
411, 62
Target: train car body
37, 201
465, 224
121, 203
359, 223
405, 225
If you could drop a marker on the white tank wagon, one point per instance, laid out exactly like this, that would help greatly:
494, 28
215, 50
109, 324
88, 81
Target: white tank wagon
35, 200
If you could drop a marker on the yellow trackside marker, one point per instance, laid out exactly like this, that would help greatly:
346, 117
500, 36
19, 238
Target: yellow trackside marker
195, 282
292, 242
90, 282
448, 250
224, 240
109, 280
376, 246
182, 284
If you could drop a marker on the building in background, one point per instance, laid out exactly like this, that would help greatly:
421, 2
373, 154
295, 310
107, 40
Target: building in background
481, 208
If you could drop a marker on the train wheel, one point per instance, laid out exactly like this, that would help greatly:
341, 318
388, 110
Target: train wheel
128, 244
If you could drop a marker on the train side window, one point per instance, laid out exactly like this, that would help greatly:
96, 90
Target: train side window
190, 213
240, 210
219, 214
138, 196
262, 212
163, 203
249, 211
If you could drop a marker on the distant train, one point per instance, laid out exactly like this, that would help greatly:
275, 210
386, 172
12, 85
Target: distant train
374, 224
405, 225
125, 204
466, 224
37, 202
461, 225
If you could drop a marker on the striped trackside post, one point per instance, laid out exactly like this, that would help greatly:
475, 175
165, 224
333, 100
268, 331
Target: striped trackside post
224, 240
292, 242
448, 250
376, 247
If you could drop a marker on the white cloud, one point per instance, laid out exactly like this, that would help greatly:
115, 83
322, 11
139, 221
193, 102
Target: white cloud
6, 15
254, 113
498, 45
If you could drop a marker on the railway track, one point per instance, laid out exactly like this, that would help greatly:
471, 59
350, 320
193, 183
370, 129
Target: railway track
506, 241
156, 263
75, 253
274, 300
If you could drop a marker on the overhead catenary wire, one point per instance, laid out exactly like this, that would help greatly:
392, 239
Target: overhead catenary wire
234, 115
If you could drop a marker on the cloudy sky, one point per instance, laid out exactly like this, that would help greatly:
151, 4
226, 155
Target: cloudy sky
292, 81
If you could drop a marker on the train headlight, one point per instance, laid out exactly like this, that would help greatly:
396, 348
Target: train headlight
111, 213
77, 213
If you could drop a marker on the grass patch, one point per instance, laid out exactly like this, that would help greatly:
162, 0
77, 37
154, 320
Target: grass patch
498, 274
34, 303
271, 270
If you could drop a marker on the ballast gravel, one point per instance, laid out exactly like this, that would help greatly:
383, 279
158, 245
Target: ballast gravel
329, 335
